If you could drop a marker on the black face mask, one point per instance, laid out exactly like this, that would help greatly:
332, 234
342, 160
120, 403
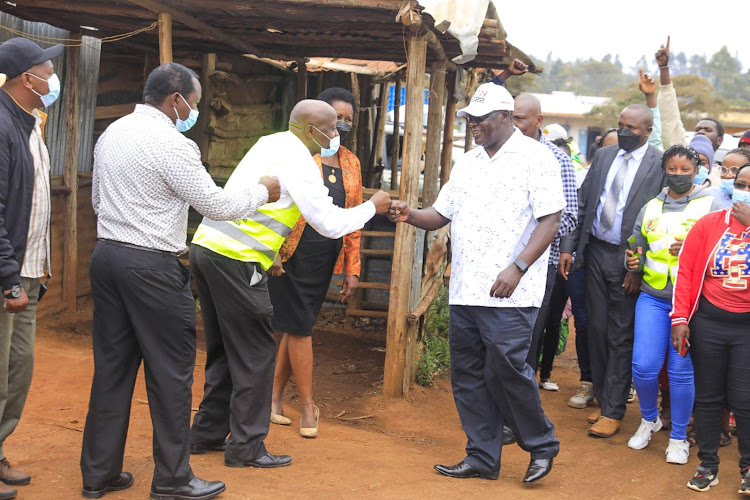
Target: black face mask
343, 128
627, 140
680, 184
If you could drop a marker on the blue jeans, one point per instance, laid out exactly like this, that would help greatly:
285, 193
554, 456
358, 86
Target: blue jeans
652, 344
577, 293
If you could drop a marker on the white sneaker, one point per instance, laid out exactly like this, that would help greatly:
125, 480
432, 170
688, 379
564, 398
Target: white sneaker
678, 451
643, 435
583, 397
548, 386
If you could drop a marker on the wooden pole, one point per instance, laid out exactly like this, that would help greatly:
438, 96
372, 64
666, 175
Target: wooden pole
396, 133
165, 37
301, 79
208, 66
434, 124
468, 138
353, 139
70, 175
450, 117
376, 153
401, 339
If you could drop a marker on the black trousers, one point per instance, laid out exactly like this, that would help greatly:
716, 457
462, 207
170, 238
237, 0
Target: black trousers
541, 319
143, 310
611, 315
720, 352
551, 338
241, 354
492, 383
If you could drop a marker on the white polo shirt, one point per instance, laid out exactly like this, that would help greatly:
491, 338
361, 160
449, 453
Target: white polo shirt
494, 204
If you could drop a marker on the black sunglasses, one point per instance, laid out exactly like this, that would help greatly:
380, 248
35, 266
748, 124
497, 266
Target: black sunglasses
479, 119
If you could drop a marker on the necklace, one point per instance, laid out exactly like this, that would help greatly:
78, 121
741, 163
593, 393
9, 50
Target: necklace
332, 176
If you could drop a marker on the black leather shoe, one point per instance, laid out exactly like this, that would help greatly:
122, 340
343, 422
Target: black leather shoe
199, 449
538, 468
121, 482
267, 461
508, 436
463, 470
196, 489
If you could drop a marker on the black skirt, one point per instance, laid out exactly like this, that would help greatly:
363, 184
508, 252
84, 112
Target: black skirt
298, 294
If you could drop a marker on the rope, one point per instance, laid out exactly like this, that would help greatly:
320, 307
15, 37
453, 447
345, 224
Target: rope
76, 41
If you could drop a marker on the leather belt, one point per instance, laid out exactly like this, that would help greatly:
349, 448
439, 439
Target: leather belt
136, 247
606, 244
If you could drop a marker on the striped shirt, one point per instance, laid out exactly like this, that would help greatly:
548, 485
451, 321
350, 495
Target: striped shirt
36, 262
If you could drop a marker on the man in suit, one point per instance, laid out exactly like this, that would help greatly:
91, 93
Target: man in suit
622, 179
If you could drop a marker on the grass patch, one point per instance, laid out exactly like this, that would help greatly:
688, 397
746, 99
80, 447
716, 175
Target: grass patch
435, 358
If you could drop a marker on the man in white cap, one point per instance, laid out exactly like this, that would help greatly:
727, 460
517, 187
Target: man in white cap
504, 200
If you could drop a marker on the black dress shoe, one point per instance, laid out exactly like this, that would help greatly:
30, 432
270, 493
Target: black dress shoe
267, 461
199, 449
538, 468
463, 470
508, 436
196, 489
121, 482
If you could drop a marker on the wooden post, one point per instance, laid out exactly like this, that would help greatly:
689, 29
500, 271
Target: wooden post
434, 124
202, 138
396, 133
376, 153
301, 80
70, 175
165, 38
353, 139
401, 339
450, 117
468, 138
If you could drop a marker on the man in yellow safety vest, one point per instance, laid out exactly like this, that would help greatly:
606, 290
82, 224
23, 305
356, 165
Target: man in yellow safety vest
229, 261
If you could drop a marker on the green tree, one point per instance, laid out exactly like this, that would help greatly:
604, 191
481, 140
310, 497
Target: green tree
606, 115
696, 98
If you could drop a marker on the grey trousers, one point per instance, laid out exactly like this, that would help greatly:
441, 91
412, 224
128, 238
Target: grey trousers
17, 334
493, 384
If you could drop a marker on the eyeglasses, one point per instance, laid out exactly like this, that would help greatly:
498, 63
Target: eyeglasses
479, 119
724, 171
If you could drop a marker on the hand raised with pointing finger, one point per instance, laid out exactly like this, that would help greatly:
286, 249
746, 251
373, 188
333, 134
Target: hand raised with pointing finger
662, 55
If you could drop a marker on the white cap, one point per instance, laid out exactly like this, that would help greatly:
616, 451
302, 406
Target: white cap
489, 97
553, 132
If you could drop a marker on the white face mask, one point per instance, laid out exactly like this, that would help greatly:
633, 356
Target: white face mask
186, 124
53, 83
333, 145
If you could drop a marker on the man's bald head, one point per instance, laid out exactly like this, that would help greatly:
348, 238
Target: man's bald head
314, 122
642, 113
527, 115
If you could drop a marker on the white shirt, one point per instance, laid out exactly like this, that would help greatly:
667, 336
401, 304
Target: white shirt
285, 156
614, 234
147, 174
37, 257
494, 204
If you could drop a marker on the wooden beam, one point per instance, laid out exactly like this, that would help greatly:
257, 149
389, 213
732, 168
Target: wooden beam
301, 79
436, 97
401, 339
450, 117
396, 135
70, 175
180, 16
353, 139
203, 140
376, 153
165, 37
114, 111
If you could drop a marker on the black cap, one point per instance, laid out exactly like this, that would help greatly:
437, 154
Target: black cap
19, 54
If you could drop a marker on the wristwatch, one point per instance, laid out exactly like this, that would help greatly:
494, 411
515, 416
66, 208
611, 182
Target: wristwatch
521, 265
14, 293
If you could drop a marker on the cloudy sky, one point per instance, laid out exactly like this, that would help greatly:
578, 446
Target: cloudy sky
585, 28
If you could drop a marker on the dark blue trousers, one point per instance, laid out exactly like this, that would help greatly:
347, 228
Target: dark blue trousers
492, 382
577, 292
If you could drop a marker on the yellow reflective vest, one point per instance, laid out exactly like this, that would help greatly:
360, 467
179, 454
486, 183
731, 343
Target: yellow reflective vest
661, 230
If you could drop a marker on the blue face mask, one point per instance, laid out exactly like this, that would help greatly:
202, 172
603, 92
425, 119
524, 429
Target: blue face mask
187, 124
701, 176
333, 145
727, 185
738, 195
53, 83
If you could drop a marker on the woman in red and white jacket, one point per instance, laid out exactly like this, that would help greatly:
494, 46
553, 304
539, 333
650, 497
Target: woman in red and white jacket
711, 311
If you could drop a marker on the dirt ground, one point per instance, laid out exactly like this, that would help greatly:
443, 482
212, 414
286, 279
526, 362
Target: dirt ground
389, 454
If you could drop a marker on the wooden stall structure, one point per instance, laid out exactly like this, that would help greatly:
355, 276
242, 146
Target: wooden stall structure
252, 58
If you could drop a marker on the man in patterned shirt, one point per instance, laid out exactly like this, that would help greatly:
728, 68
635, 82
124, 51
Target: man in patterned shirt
24, 225
504, 201
146, 175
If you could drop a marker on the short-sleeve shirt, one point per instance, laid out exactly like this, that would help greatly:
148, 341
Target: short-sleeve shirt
494, 204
